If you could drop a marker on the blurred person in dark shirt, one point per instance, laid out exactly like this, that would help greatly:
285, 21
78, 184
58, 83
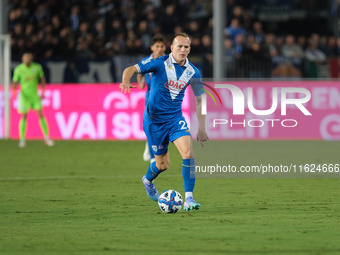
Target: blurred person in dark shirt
207, 54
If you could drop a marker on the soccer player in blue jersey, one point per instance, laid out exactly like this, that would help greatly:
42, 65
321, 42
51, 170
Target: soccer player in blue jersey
158, 49
163, 121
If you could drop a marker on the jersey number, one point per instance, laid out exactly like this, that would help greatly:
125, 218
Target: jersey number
182, 122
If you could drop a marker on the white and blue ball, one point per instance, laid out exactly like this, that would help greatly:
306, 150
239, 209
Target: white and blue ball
170, 201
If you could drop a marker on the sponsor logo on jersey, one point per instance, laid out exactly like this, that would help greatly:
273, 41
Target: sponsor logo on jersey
175, 85
188, 73
31, 77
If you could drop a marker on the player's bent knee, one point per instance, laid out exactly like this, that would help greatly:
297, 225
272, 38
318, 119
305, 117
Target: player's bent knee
187, 154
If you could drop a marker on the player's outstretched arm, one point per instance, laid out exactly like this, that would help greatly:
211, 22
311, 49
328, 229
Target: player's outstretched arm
15, 85
141, 81
202, 135
127, 75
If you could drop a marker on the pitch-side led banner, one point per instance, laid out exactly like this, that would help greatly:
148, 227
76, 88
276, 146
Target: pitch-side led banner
88, 111
91, 111
271, 110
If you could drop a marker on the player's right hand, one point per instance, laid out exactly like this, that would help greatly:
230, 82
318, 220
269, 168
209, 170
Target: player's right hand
202, 136
125, 87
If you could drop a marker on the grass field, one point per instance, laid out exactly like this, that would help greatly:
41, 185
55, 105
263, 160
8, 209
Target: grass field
86, 197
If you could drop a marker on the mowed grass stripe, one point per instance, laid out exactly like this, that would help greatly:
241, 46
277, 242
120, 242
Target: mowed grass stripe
111, 214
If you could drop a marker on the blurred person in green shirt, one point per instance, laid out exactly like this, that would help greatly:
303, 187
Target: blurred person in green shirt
29, 74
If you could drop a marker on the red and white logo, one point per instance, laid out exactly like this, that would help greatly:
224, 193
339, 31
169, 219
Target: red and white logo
175, 85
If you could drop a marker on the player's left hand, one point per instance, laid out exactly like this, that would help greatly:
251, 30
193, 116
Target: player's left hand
202, 137
125, 87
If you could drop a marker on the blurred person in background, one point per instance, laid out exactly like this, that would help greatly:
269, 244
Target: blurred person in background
255, 59
143, 33
250, 41
293, 52
331, 48
169, 19
237, 13
258, 32
279, 43
229, 58
152, 21
314, 57
234, 29
75, 18
270, 43
195, 46
302, 41
194, 29
29, 74
158, 49
239, 47
207, 54
83, 50
200, 10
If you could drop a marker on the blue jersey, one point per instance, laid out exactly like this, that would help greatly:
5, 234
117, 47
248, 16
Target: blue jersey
169, 82
148, 77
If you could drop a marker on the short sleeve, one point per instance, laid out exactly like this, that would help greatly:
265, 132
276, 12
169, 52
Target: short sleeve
149, 65
197, 85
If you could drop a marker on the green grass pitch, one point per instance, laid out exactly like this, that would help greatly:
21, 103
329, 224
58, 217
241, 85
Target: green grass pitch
87, 197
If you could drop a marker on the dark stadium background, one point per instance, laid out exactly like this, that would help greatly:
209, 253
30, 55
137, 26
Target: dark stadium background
81, 31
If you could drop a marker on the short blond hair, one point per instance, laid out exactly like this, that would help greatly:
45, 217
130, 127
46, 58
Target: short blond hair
183, 34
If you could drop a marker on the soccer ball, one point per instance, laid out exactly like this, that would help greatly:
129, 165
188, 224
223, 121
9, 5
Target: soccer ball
170, 201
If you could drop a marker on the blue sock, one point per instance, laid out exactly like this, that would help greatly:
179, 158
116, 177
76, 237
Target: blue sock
188, 173
152, 172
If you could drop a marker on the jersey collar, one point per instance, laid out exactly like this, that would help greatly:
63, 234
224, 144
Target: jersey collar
173, 61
